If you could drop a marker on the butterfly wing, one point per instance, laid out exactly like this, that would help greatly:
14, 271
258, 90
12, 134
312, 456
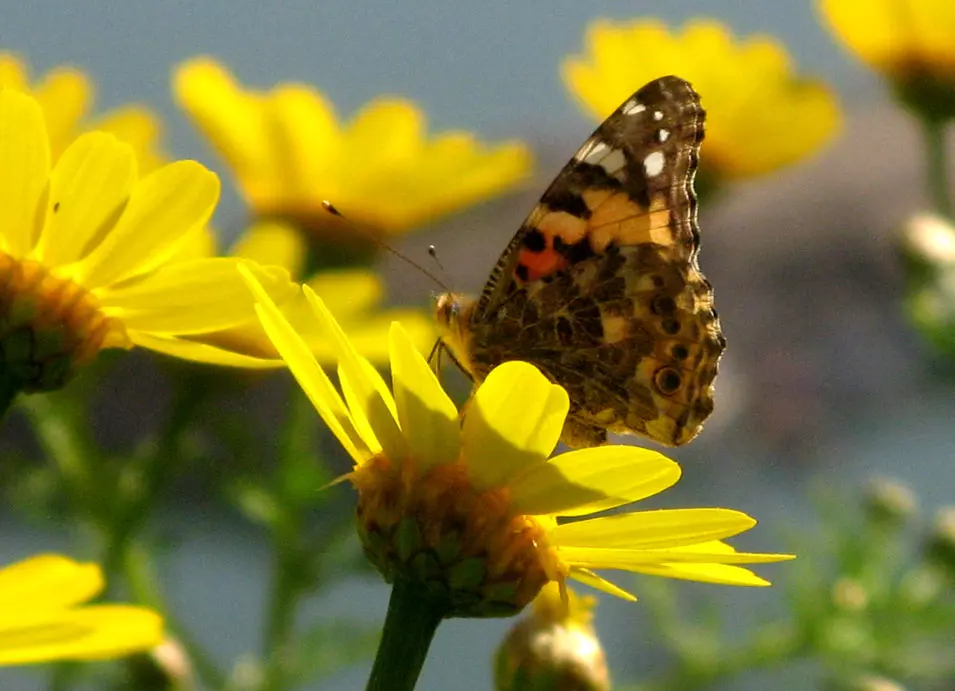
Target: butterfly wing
600, 286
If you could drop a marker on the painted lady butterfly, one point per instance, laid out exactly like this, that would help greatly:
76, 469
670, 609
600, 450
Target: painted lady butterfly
600, 287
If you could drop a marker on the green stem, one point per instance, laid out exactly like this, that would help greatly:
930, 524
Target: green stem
9, 388
289, 558
68, 447
933, 130
413, 617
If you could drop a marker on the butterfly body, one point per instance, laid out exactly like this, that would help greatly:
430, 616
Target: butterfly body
600, 287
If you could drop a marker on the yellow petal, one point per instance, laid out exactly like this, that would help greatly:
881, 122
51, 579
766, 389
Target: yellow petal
273, 243
348, 291
192, 297
13, 72
512, 423
89, 633
720, 574
370, 395
428, 418
44, 582
636, 559
388, 132
139, 127
591, 480
163, 207
24, 171
65, 95
88, 187
229, 118
310, 376
588, 577
198, 351
304, 137
653, 529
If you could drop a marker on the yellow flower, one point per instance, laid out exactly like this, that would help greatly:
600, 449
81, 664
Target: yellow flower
66, 96
88, 256
467, 507
912, 42
554, 647
760, 116
289, 152
43, 619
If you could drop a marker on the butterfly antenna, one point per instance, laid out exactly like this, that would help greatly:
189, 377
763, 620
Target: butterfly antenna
434, 255
330, 208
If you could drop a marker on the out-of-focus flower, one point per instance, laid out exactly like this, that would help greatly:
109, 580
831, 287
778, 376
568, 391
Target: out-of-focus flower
88, 256
910, 42
289, 152
354, 296
43, 618
66, 96
465, 508
941, 542
928, 246
760, 115
554, 647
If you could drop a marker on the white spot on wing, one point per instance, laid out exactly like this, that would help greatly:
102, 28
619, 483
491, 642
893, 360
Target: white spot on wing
663, 135
602, 154
653, 164
632, 107
658, 115
592, 151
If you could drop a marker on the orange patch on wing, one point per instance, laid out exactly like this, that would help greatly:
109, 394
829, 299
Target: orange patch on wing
543, 263
618, 219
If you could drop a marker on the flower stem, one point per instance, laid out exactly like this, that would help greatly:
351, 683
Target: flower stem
933, 130
413, 617
9, 388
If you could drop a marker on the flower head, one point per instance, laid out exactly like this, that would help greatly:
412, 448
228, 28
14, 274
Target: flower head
66, 95
89, 256
467, 506
289, 152
911, 42
760, 116
554, 647
43, 619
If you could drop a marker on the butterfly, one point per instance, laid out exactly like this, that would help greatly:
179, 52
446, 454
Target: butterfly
600, 287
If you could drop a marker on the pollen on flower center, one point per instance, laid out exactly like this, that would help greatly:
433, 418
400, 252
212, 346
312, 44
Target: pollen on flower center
50, 327
437, 530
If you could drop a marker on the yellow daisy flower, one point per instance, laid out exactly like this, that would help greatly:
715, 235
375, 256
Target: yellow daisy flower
66, 96
760, 116
467, 506
912, 42
554, 647
88, 256
43, 619
289, 152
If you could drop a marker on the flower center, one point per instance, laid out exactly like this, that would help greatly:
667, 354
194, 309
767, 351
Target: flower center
461, 544
50, 327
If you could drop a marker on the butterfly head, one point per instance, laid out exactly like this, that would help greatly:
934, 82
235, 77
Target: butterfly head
453, 317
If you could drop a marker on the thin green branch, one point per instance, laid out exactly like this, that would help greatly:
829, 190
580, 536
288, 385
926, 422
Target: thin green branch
933, 130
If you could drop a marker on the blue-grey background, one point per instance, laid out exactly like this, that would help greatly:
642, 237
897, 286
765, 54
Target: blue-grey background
823, 383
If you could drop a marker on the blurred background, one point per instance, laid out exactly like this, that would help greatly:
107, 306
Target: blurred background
823, 382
